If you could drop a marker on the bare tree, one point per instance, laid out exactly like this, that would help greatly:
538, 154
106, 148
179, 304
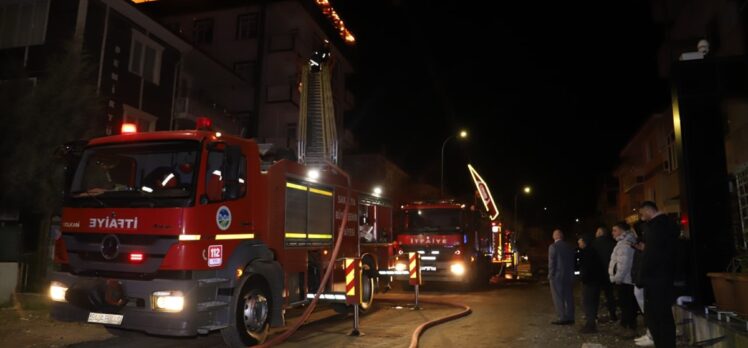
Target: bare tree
37, 117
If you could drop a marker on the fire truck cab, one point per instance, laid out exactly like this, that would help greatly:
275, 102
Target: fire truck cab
454, 241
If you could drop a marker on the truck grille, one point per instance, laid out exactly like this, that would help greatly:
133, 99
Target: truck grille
85, 252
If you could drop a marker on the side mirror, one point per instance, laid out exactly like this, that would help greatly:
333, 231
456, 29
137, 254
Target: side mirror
70, 153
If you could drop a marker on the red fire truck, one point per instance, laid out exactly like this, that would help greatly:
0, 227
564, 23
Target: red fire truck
455, 241
187, 232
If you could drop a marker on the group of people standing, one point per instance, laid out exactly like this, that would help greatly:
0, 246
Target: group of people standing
638, 265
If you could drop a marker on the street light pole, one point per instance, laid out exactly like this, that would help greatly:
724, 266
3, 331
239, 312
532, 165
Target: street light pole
514, 221
463, 134
526, 190
441, 180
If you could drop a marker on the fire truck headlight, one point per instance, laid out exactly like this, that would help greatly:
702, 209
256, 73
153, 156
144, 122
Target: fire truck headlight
457, 269
57, 291
168, 301
400, 267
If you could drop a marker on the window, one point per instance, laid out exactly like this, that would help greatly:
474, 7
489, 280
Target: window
158, 173
145, 57
202, 31
215, 185
23, 23
245, 70
246, 26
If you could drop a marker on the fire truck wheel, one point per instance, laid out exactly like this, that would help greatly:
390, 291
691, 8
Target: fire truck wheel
367, 285
367, 290
250, 323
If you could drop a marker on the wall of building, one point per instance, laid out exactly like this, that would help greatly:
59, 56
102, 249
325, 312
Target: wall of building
648, 170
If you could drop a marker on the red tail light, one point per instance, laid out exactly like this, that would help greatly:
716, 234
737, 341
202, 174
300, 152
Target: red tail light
137, 257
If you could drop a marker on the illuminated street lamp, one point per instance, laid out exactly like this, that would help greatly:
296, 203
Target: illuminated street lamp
378, 191
526, 190
463, 135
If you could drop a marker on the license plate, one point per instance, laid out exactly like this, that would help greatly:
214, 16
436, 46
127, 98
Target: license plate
103, 318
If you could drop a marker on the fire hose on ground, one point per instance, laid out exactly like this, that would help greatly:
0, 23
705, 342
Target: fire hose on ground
425, 326
328, 272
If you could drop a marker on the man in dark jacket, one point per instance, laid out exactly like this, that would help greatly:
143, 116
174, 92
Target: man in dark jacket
658, 272
592, 274
603, 246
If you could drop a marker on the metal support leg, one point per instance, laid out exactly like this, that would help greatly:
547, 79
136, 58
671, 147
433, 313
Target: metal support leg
417, 306
356, 332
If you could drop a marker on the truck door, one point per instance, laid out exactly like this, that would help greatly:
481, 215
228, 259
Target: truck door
225, 190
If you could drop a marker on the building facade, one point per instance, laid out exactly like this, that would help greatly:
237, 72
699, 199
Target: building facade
267, 43
724, 24
137, 61
649, 170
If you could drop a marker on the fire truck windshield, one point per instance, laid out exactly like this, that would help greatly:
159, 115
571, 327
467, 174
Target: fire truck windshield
433, 220
153, 173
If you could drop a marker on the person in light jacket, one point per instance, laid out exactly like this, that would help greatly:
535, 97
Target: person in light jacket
619, 271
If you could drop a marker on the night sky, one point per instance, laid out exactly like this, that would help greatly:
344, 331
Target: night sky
549, 92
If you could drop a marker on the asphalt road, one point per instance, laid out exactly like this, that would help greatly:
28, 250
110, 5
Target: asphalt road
505, 315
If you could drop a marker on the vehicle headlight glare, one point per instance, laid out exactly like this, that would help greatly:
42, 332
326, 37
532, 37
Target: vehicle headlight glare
400, 267
169, 301
57, 291
457, 269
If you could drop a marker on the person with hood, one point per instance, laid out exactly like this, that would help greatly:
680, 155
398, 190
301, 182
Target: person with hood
619, 271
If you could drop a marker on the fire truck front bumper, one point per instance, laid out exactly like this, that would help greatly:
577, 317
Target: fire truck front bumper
444, 271
160, 306
436, 271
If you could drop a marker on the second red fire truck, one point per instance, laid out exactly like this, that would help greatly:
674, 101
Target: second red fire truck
455, 241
